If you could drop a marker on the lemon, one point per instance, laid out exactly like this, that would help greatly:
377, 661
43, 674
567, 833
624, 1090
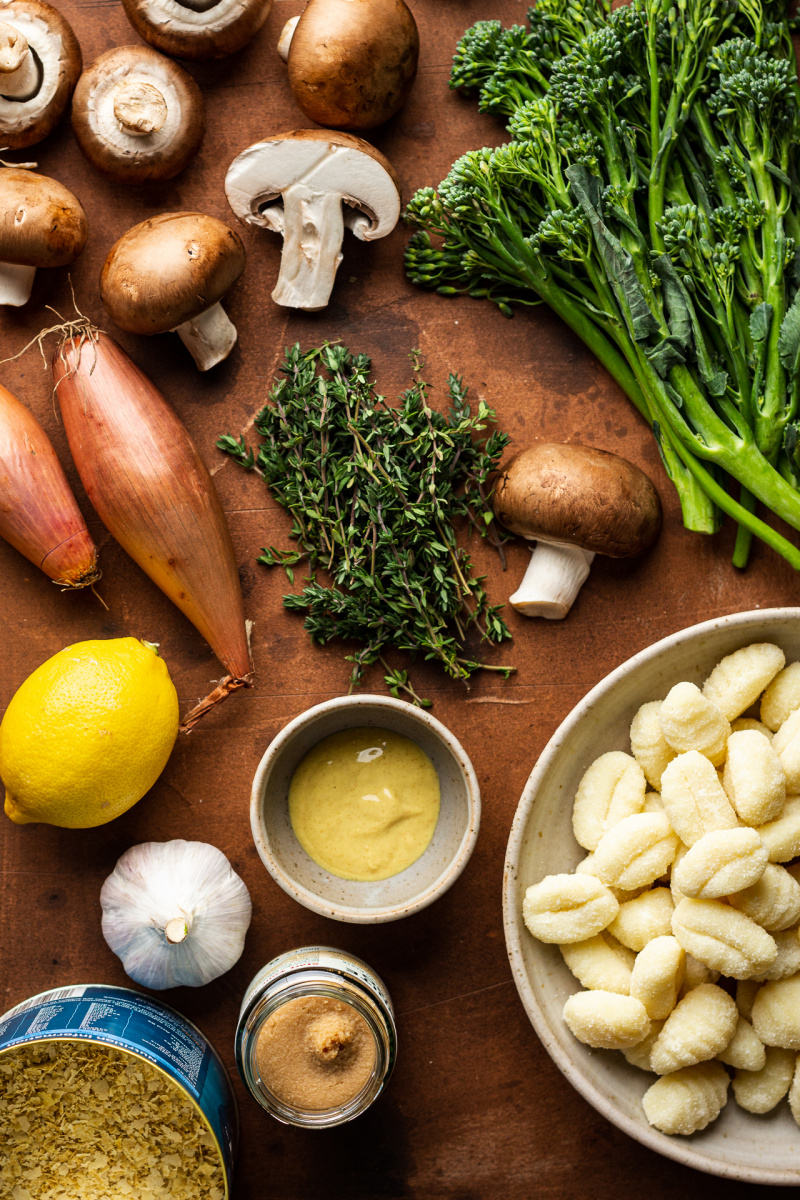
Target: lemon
87, 734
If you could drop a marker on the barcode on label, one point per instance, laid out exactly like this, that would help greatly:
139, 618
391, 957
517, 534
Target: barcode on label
69, 993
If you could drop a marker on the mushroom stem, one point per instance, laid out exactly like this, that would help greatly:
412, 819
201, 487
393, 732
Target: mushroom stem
176, 930
16, 284
20, 76
285, 40
139, 107
313, 227
553, 579
209, 338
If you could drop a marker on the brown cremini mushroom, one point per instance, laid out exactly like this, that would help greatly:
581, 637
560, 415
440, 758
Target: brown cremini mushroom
574, 502
41, 225
197, 30
40, 61
168, 274
351, 62
308, 186
138, 116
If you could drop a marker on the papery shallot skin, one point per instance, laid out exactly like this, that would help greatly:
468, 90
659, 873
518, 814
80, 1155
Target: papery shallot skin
39, 515
152, 491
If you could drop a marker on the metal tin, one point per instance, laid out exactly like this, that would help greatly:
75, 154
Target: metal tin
144, 1027
316, 971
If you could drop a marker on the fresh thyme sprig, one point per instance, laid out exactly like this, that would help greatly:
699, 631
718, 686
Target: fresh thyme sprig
373, 492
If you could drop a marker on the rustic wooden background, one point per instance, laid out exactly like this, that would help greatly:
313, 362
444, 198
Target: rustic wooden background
476, 1109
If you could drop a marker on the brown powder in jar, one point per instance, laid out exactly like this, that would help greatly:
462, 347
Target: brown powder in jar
315, 1053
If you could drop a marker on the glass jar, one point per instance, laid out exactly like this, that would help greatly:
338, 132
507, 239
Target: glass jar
308, 972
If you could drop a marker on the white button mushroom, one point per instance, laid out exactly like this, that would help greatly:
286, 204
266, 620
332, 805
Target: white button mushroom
137, 116
41, 225
169, 274
574, 502
40, 61
299, 184
197, 30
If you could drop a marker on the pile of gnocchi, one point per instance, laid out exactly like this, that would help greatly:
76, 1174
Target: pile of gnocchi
686, 882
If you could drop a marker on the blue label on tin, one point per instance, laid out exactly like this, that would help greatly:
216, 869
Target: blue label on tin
142, 1025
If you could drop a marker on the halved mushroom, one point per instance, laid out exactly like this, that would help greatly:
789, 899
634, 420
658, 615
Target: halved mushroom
351, 62
168, 274
41, 225
197, 30
298, 184
574, 502
40, 61
138, 116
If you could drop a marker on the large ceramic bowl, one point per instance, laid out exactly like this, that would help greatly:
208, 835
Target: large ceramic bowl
344, 899
739, 1145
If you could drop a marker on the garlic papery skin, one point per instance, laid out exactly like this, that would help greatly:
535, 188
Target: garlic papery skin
176, 913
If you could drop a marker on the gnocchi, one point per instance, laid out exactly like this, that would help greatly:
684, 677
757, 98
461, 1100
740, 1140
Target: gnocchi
643, 918
760, 1091
794, 1093
697, 1029
635, 851
745, 1050
596, 964
691, 722
782, 836
739, 679
773, 902
753, 778
751, 723
787, 961
723, 861
657, 976
723, 938
639, 1055
606, 1020
694, 799
776, 1013
782, 697
688, 1100
568, 908
612, 788
649, 747
786, 744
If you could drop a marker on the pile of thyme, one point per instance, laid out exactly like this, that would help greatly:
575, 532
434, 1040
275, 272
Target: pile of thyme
373, 492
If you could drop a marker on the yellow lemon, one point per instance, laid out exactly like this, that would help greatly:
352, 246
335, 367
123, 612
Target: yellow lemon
87, 734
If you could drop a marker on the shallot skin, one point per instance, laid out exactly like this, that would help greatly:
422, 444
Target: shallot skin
152, 491
39, 515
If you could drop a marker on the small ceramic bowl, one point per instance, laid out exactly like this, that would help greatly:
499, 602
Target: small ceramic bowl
738, 1145
386, 899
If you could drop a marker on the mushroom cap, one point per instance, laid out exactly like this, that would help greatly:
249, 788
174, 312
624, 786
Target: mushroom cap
352, 62
41, 223
23, 123
169, 269
129, 157
367, 180
578, 495
197, 30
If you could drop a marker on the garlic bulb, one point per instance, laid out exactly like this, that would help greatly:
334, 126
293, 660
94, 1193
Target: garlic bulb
176, 913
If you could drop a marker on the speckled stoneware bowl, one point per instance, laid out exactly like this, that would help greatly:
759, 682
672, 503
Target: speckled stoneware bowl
739, 1145
387, 899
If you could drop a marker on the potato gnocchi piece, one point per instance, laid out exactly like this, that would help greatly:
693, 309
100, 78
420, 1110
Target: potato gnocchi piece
723, 861
723, 938
753, 778
688, 1100
760, 1091
691, 722
698, 1028
694, 799
653, 802
643, 918
746, 991
782, 697
788, 960
696, 973
677, 894
635, 851
648, 745
794, 1092
745, 1051
773, 902
596, 964
586, 867
606, 1020
776, 1013
612, 788
750, 723
786, 744
568, 908
639, 1055
657, 976
739, 679
782, 836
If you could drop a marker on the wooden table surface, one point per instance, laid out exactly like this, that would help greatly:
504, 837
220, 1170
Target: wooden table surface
476, 1109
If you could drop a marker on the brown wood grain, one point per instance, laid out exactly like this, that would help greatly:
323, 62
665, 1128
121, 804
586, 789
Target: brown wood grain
476, 1110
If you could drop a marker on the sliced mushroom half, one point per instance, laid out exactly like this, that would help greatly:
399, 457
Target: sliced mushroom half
40, 61
197, 30
307, 186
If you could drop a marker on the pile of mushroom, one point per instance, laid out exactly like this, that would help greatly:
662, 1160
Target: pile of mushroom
138, 116
41, 225
168, 274
298, 184
197, 30
40, 61
351, 62
574, 502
